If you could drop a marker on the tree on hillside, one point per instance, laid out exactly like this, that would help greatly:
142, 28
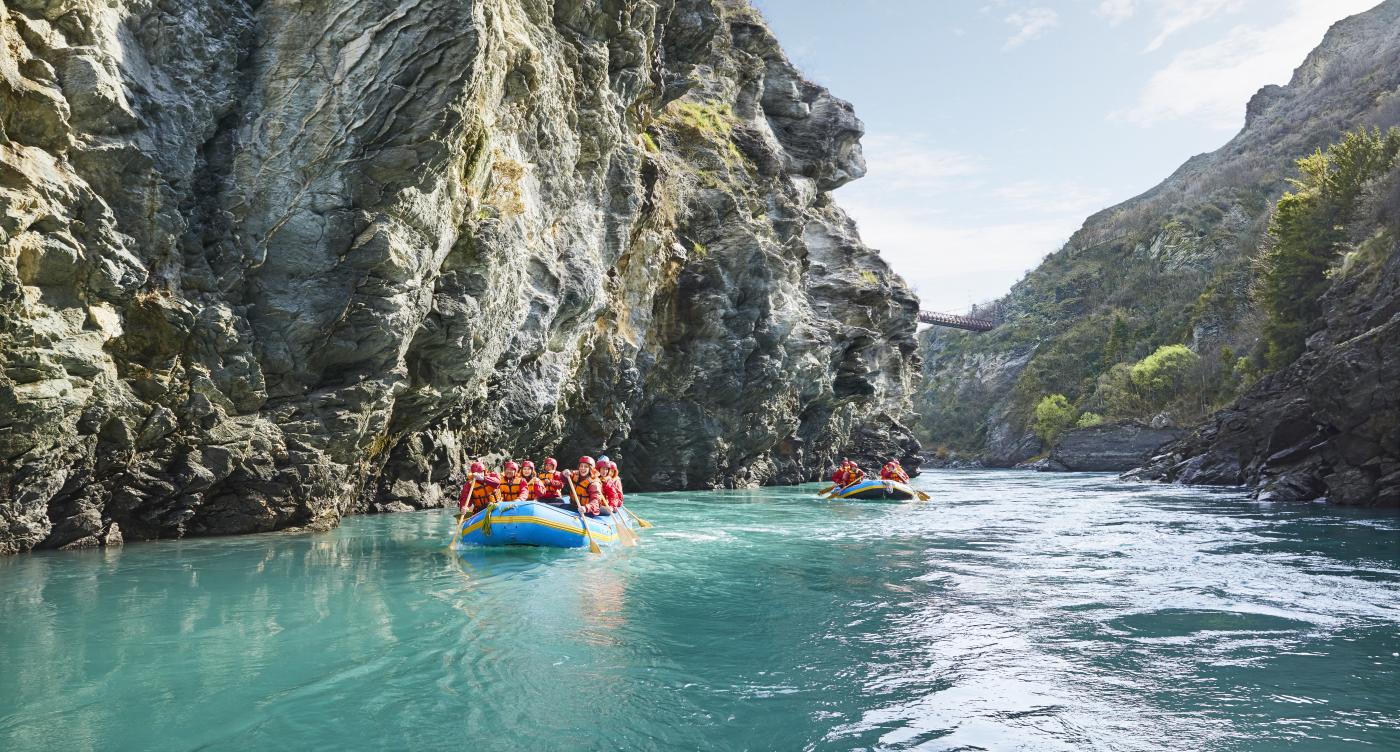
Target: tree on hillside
1164, 375
1053, 416
1307, 233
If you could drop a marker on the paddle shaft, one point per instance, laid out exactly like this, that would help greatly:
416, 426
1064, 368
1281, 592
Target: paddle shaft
592, 545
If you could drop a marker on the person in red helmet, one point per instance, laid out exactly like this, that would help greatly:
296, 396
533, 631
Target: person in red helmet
848, 474
612, 484
552, 482
853, 474
892, 471
533, 487
484, 488
587, 488
512, 483
839, 477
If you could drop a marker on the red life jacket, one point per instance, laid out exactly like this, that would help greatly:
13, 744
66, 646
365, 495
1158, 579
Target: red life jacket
612, 491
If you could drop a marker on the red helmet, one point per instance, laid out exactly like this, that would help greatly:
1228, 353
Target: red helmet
528, 464
551, 462
477, 467
510, 465
585, 460
604, 464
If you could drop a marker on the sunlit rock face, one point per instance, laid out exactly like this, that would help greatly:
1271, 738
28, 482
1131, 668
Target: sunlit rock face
267, 264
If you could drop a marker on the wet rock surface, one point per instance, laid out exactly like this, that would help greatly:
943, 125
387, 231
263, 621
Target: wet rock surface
268, 264
1110, 448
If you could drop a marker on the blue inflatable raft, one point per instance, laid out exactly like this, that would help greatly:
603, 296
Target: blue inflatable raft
534, 523
875, 490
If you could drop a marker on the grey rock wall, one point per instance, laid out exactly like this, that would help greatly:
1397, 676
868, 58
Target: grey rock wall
267, 264
1111, 448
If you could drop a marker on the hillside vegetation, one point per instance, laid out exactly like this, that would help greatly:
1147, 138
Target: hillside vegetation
1171, 305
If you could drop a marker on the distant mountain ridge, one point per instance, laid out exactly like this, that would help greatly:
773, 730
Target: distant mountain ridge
1173, 265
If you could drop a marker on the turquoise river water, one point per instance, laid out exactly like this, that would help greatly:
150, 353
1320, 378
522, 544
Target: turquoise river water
1016, 611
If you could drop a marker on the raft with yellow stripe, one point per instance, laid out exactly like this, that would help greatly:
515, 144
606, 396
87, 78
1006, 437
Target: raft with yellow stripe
875, 490
535, 523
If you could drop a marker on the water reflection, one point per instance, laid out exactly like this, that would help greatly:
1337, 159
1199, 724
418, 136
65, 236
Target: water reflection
1015, 610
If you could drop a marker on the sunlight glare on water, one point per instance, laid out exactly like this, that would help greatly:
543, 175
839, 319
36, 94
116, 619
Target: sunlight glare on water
1015, 611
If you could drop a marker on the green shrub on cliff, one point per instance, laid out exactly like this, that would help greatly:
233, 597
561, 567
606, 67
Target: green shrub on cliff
1308, 233
1089, 420
1053, 416
1164, 375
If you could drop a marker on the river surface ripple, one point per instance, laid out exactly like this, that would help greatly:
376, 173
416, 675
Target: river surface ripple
1015, 611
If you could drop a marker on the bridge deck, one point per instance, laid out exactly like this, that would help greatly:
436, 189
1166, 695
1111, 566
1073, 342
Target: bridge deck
957, 322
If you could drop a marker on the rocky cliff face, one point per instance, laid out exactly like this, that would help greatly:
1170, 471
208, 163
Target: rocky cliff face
267, 264
1328, 426
1173, 265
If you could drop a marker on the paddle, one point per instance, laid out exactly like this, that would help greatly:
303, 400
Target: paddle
637, 519
624, 533
592, 545
827, 490
457, 530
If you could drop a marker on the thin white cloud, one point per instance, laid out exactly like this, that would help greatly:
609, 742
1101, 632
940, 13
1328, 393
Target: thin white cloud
952, 258
1030, 24
1040, 197
1212, 82
1117, 11
1179, 15
909, 163
952, 264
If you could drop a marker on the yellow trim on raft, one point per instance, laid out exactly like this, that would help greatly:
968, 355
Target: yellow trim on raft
533, 520
893, 483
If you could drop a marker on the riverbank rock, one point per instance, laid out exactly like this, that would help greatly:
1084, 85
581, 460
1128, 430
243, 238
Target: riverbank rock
1328, 426
1111, 447
268, 264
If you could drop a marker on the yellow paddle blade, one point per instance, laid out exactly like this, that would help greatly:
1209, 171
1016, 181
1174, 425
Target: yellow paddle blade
922, 496
624, 533
639, 520
826, 490
593, 546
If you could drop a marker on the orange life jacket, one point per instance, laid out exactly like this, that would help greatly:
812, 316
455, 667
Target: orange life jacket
588, 489
553, 482
510, 488
483, 493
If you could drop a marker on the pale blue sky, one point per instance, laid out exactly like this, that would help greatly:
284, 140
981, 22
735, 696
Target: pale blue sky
995, 127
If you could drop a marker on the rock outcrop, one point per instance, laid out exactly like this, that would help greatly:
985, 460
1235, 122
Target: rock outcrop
1110, 447
1328, 426
267, 264
1172, 266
